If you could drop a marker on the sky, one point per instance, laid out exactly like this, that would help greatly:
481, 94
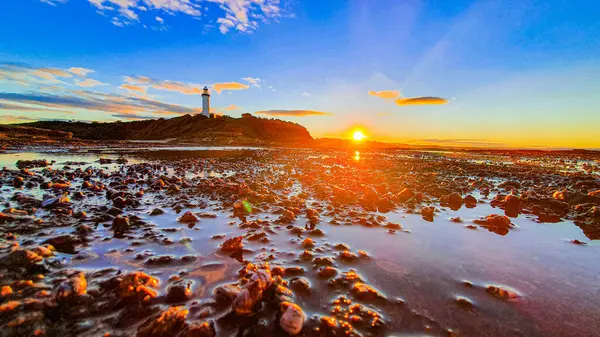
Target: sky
491, 73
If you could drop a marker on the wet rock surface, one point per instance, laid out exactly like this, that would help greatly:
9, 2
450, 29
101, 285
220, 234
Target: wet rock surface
292, 242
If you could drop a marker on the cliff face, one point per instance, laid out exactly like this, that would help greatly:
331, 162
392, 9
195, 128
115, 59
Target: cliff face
246, 129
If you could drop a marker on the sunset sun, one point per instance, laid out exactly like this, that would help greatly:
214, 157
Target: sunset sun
358, 135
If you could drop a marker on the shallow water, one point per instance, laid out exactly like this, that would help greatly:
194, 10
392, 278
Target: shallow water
424, 265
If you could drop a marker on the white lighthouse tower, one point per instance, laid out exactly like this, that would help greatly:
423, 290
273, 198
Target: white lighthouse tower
205, 102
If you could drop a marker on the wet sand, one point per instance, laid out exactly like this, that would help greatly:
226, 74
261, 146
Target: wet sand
401, 243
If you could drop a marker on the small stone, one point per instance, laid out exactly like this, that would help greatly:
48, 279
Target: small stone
157, 211
300, 285
233, 244
188, 217
169, 323
120, 224
180, 291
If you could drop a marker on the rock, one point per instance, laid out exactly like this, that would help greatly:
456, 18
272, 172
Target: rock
470, 200
347, 256
157, 211
365, 292
455, 200
180, 291
199, 329
405, 195
263, 278
308, 243
300, 285
292, 319
188, 217
18, 182
58, 201
120, 224
169, 323
83, 229
21, 258
427, 213
327, 272
293, 271
5, 218
287, 217
64, 243
75, 286
228, 291
502, 293
233, 244
5, 291
32, 163
307, 255
246, 300
495, 220
44, 251
464, 302
138, 285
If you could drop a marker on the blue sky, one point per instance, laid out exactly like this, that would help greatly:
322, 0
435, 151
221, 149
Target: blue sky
497, 73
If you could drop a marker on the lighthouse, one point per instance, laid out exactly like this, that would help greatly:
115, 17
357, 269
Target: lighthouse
205, 102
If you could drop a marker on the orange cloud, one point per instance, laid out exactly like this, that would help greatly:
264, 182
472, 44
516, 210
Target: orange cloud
421, 101
296, 113
179, 87
137, 88
138, 80
232, 107
80, 71
386, 94
88, 82
50, 74
218, 87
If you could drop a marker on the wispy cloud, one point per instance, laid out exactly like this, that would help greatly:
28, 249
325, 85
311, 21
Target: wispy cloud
183, 87
296, 113
219, 87
386, 94
54, 2
83, 72
4, 106
239, 15
306, 94
420, 101
255, 81
88, 83
15, 119
25, 75
135, 88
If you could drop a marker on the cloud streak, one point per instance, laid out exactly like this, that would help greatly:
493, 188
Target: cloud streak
293, 113
181, 87
426, 100
21, 108
88, 83
219, 87
25, 75
386, 94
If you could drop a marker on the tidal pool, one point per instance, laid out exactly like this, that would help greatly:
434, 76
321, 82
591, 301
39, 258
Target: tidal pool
388, 220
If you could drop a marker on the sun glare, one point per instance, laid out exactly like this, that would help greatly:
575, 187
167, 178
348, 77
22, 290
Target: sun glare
358, 135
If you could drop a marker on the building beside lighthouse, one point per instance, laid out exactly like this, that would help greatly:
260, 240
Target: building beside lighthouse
205, 102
